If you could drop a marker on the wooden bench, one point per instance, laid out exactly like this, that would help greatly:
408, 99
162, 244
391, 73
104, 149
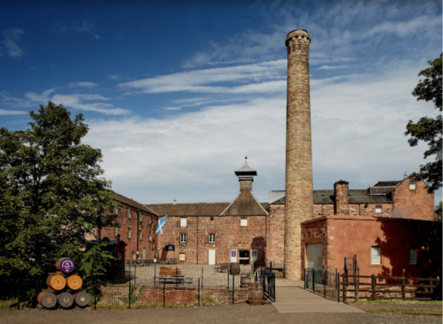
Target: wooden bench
171, 276
224, 267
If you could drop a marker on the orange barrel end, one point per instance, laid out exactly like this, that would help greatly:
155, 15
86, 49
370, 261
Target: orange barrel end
74, 282
81, 298
56, 282
47, 299
65, 300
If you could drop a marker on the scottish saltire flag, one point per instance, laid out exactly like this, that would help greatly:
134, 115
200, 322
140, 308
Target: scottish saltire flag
161, 224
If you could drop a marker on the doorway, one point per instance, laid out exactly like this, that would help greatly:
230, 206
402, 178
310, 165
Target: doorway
211, 257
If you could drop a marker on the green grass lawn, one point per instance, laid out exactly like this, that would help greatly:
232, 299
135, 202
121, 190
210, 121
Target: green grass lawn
405, 310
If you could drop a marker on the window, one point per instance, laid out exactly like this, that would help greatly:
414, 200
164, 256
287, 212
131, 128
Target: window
412, 185
412, 256
129, 232
375, 255
378, 209
140, 217
129, 212
182, 256
183, 222
211, 238
115, 230
183, 238
116, 209
140, 234
244, 221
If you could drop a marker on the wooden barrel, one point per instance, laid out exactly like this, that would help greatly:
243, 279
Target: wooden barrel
65, 300
65, 264
56, 282
74, 282
235, 268
255, 294
81, 298
47, 299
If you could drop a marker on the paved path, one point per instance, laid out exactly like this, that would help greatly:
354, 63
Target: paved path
298, 300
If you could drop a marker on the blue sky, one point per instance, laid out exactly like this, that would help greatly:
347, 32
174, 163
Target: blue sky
175, 95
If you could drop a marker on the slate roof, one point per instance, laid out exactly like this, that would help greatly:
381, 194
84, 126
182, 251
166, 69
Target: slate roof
383, 187
193, 209
358, 196
130, 202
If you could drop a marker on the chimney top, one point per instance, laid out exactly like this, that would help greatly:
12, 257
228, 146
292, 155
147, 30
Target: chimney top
245, 172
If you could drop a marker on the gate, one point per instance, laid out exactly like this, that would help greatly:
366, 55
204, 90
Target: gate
268, 280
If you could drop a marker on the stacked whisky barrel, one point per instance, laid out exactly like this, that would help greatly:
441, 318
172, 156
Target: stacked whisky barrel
63, 290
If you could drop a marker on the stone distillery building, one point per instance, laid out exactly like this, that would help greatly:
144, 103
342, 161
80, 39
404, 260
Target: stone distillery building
389, 226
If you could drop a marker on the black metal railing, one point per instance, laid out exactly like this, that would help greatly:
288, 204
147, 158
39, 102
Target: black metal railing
323, 282
268, 281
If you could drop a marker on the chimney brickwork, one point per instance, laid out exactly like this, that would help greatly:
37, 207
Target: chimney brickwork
299, 184
341, 193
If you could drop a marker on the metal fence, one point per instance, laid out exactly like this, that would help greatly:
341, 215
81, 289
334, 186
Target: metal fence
268, 281
143, 286
323, 282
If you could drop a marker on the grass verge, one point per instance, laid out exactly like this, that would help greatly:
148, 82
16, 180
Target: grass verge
405, 310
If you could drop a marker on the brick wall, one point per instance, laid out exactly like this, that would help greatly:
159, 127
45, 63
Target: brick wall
413, 204
315, 232
114, 295
144, 243
276, 234
229, 235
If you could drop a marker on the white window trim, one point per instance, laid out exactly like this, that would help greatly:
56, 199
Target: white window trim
183, 222
375, 255
115, 230
412, 256
129, 213
129, 232
378, 209
211, 238
183, 238
182, 256
140, 233
244, 221
412, 186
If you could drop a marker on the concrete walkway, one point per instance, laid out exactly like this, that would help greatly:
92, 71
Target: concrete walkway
298, 300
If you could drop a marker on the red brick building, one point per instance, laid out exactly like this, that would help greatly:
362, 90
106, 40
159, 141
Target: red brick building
135, 225
214, 233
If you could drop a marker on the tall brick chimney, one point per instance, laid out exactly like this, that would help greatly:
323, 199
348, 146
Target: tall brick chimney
299, 187
341, 192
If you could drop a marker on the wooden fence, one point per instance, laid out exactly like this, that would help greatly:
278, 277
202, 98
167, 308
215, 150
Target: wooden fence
383, 288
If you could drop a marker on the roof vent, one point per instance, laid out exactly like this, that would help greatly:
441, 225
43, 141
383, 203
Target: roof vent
174, 201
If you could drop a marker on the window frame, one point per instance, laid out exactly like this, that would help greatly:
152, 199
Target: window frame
213, 238
413, 262
129, 232
180, 256
140, 234
183, 238
412, 186
244, 222
183, 222
115, 230
129, 212
376, 248
378, 209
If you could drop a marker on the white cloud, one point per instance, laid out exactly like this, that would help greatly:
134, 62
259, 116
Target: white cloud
82, 84
357, 130
10, 40
80, 101
215, 80
5, 112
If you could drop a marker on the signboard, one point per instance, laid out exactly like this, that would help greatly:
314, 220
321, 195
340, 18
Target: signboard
170, 247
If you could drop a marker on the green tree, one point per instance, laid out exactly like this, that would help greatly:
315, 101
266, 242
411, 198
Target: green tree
438, 212
51, 195
429, 129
